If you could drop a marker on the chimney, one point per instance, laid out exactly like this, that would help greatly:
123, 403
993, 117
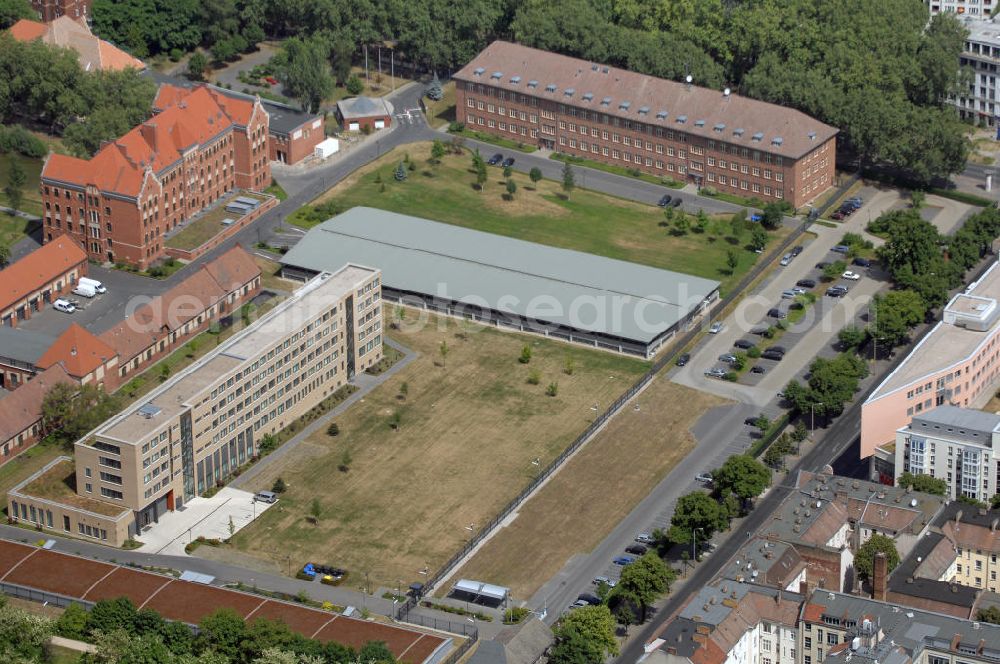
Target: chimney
880, 576
803, 587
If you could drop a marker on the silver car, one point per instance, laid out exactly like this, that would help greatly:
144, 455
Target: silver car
716, 372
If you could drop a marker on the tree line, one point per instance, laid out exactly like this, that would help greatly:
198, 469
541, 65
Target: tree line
880, 72
124, 635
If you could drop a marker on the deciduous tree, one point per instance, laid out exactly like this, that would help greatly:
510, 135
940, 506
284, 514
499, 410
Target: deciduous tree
696, 511
743, 476
865, 557
920, 482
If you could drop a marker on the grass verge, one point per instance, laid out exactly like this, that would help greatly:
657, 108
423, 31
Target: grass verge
617, 170
498, 141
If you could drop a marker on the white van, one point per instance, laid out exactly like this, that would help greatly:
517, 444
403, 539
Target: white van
98, 286
84, 290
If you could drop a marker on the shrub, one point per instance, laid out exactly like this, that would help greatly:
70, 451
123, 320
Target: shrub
552, 389
333, 429
354, 85
18, 139
534, 377
525, 355
708, 191
279, 486
456, 127
730, 376
753, 352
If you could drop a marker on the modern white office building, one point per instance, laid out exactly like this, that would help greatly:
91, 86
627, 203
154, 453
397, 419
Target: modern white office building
972, 8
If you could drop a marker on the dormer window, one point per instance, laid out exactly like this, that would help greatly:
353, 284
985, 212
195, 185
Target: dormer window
514, 80
532, 83
551, 87
624, 106
497, 75
661, 115
643, 110
699, 123
606, 101
681, 119
719, 127
738, 132
588, 96
569, 92
479, 71
777, 140
758, 137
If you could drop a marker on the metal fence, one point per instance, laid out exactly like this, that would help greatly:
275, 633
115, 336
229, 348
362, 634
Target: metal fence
464, 628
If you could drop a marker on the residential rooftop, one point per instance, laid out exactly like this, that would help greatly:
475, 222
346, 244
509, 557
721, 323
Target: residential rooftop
22, 407
57, 482
555, 286
41, 266
176, 394
22, 345
712, 114
958, 424
946, 345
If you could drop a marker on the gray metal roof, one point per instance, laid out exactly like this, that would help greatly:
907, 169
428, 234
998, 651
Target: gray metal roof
22, 345
363, 107
957, 423
556, 286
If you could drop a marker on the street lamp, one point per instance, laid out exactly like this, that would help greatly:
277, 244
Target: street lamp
694, 544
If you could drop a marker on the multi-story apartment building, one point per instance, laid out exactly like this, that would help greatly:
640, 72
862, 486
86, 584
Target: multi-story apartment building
711, 138
956, 363
972, 8
954, 444
980, 102
119, 204
50, 10
192, 432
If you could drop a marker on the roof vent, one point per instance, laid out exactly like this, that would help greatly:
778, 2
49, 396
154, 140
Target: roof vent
569, 92
643, 110
624, 106
497, 75
661, 115
606, 101
588, 96
759, 136
551, 87
479, 71
719, 127
699, 123
605, 70
682, 119
812, 136
777, 140
515, 80
532, 83
148, 411
594, 67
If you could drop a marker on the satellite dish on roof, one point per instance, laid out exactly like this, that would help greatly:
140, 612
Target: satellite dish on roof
727, 92
689, 78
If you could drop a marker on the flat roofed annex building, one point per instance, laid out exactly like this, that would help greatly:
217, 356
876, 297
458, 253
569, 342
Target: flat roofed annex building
530, 287
707, 137
956, 363
119, 204
193, 431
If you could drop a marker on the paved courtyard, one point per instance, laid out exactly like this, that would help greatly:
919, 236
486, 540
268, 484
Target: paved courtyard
202, 517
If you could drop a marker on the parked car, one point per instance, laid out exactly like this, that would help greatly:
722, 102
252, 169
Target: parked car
835, 291
798, 291
769, 355
729, 358
509, 161
85, 290
744, 344
495, 159
644, 538
777, 349
760, 330
268, 497
851, 276
665, 201
637, 549
704, 478
589, 599
97, 285
716, 327
775, 312
757, 369
840, 248
64, 306
676, 202
623, 560
683, 359
855, 202
862, 262
796, 250
756, 217
578, 604
786, 259
838, 215
716, 372
611, 583
788, 294
806, 283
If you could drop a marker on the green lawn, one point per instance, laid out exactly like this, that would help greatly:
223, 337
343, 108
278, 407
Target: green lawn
617, 170
588, 221
207, 226
31, 200
498, 141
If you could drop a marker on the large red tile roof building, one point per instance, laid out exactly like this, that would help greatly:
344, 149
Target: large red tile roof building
710, 138
52, 9
93, 53
118, 205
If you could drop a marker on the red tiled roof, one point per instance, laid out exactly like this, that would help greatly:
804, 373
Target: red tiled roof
79, 351
27, 30
233, 268
628, 92
22, 407
212, 283
41, 266
92, 52
813, 612
186, 118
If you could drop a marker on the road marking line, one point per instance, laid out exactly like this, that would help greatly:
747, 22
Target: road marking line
410, 646
263, 602
322, 627
11, 570
156, 592
84, 595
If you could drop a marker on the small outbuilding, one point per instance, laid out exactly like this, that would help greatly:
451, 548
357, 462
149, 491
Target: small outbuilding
480, 593
326, 148
357, 113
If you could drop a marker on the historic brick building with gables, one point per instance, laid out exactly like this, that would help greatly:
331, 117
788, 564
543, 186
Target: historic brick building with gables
119, 204
50, 10
710, 138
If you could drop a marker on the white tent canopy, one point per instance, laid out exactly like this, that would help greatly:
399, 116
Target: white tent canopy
488, 590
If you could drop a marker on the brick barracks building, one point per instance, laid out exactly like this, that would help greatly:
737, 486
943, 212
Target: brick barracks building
117, 205
673, 130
